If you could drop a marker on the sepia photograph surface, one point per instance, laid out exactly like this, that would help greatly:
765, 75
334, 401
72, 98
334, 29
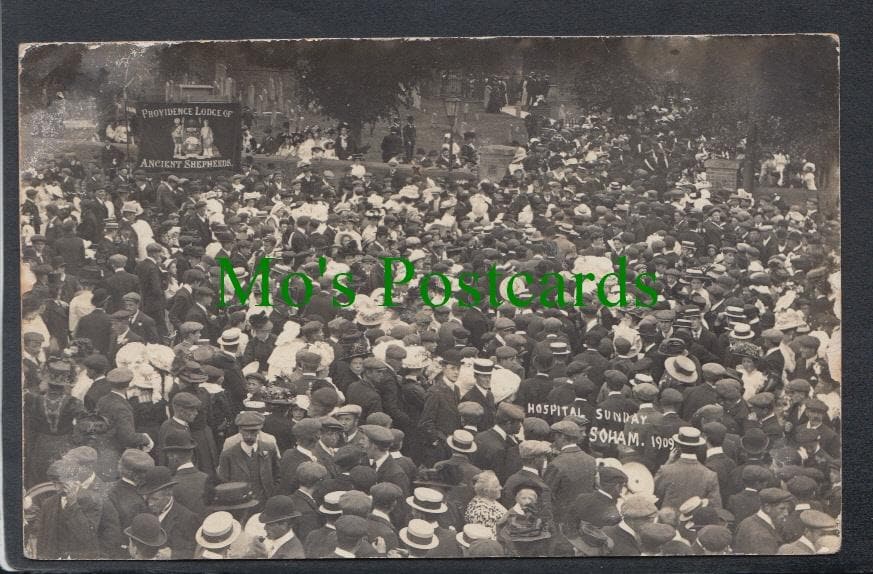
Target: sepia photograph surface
430, 298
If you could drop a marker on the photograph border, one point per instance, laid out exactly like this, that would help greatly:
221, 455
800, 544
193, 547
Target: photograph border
41, 21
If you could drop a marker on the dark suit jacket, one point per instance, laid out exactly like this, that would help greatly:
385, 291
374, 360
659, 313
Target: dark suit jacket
210, 326
754, 536
98, 388
291, 459
476, 396
180, 302
678, 481
310, 518
180, 525
439, 418
291, 549
624, 543
391, 471
144, 326
153, 300
378, 526
126, 501
365, 396
723, 466
320, 542
497, 454
97, 327
233, 465
86, 530
119, 284
194, 489
571, 473
591, 507
119, 413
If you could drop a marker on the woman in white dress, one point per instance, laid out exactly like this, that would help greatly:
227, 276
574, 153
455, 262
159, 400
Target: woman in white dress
208, 139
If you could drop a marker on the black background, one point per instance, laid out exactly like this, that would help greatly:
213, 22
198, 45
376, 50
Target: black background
33, 21
155, 133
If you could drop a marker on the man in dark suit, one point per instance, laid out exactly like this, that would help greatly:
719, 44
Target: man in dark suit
716, 459
73, 523
115, 407
200, 312
193, 487
123, 495
119, 283
599, 507
636, 511
678, 481
386, 496
250, 460
573, 472
380, 440
533, 457
481, 390
815, 524
758, 534
96, 366
282, 542
183, 299
140, 323
178, 522
306, 434
747, 502
97, 325
309, 475
362, 392
439, 417
497, 447
154, 303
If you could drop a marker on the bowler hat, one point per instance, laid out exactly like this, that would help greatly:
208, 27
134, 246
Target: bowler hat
233, 496
277, 508
156, 478
146, 529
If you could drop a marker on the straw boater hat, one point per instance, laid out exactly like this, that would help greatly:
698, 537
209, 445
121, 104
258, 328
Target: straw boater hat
427, 500
419, 534
688, 436
681, 368
473, 532
218, 530
462, 441
742, 331
331, 505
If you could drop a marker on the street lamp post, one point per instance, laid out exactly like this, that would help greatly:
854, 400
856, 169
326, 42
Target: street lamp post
452, 105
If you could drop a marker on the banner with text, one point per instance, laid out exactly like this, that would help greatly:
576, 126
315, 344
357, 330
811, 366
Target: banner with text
189, 136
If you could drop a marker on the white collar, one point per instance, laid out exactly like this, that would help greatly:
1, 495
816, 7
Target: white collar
180, 421
568, 446
624, 526
166, 510
344, 553
714, 450
381, 460
277, 543
806, 542
500, 431
604, 493
307, 452
646, 405
185, 465
395, 454
688, 456
326, 448
379, 513
248, 449
530, 469
483, 390
763, 516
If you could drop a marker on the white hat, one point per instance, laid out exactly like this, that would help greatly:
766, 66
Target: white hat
427, 500
419, 534
473, 532
218, 530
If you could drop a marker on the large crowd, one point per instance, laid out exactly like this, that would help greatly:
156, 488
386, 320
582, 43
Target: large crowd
158, 424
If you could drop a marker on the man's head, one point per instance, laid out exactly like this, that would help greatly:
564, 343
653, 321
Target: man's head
777, 504
509, 417
249, 424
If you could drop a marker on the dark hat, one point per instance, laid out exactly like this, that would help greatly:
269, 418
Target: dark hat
816, 405
186, 400
384, 493
306, 429
119, 377
156, 478
277, 508
146, 529
801, 486
714, 537
610, 475
656, 533
754, 441
250, 420
97, 362
378, 434
232, 496
178, 439
817, 520
774, 496
351, 527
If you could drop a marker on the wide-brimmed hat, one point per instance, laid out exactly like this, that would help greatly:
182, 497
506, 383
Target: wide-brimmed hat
146, 529
681, 368
218, 530
419, 534
688, 436
462, 441
427, 500
742, 331
233, 496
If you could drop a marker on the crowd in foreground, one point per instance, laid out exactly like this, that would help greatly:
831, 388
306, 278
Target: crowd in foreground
159, 425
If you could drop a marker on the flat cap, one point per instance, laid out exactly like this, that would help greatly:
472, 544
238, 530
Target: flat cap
671, 396
816, 405
656, 533
374, 364
384, 493
774, 495
801, 486
379, 435
568, 428
325, 396
762, 400
503, 323
136, 460
798, 385
710, 411
96, 361
753, 473
508, 411
351, 526
712, 371
348, 409
132, 296
638, 506
380, 419
250, 420
395, 352
817, 519
714, 538
119, 376
306, 428
471, 409
355, 502
310, 472
646, 392
505, 352
531, 448
82, 455
609, 475
186, 400
189, 327
728, 389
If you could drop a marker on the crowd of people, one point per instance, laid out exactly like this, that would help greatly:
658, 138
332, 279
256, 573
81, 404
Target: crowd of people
158, 424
